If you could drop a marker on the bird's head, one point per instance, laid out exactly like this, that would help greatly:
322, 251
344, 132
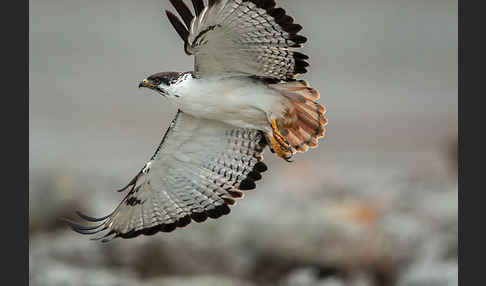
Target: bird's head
163, 82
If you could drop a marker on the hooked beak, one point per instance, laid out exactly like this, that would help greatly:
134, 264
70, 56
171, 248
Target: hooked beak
149, 84
146, 83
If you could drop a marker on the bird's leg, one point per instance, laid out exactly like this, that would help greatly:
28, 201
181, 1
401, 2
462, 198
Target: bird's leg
279, 144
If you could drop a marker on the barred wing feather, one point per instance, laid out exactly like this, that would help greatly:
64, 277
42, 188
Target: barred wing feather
240, 37
198, 170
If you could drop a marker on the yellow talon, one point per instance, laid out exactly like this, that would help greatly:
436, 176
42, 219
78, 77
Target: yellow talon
279, 144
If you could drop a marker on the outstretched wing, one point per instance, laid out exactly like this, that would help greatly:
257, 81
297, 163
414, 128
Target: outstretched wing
198, 170
249, 37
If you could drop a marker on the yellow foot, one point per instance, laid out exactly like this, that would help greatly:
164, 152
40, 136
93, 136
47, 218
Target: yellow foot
279, 144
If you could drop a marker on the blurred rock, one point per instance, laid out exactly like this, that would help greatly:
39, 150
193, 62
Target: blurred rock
206, 280
430, 273
59, 274
370, 230
54, 273
313, 277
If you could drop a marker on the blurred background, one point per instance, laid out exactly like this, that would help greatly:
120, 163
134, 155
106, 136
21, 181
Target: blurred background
375, 204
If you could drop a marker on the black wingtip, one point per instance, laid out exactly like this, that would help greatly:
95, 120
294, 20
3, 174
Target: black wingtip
78, 226
91, 219
229, 201
218, 211
170, 227
183, 11
292, 28
255, 175
199, 217
83, 229
264, 4
260, 167
178, 25
247, 184
298, 39
235, 193
300, 69
300, 56
182, 222
198, 6
276, 12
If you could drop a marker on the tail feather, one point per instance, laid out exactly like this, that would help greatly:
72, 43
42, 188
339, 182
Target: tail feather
305, 120
295, 138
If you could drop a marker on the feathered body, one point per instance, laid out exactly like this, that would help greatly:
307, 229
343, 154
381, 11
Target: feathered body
249, 102
239, 101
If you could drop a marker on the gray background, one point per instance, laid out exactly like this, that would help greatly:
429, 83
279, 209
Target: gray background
387, 74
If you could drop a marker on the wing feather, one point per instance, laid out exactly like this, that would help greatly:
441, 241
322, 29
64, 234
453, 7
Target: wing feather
197, 171
178, 26
183, 11
198, 6
249, 37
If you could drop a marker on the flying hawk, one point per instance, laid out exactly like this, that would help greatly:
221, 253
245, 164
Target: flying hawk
242, 96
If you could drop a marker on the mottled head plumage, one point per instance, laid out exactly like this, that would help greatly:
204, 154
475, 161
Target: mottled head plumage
163, 80
167, 78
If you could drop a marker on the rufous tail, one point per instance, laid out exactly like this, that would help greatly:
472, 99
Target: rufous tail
304, 122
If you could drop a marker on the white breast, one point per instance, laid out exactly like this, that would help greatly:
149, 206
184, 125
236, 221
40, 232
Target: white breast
239, 101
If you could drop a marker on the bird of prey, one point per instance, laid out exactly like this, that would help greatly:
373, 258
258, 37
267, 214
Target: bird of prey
242, 96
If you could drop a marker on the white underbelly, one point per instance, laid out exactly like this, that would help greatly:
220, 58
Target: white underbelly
241, 103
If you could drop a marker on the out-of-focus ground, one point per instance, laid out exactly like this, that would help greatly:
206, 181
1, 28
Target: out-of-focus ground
375, 204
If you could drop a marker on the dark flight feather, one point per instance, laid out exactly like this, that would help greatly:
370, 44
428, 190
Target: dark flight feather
198, 6
178, 26
183, 11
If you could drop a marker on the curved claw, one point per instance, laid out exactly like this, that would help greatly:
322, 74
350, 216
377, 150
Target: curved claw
278, 143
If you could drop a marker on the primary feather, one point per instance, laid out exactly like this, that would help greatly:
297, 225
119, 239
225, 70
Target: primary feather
199, 169
248, 37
